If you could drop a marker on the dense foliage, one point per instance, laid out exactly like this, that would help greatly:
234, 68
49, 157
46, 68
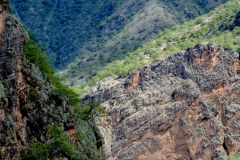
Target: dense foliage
88, 111
92, 33
58, 146
36, 151
219, 26
34, 52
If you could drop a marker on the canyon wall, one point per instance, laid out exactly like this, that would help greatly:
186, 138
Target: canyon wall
27, 104
184, 106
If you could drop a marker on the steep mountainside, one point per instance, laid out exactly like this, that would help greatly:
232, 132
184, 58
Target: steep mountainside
30, 110
97, 32
185, 106
221, 26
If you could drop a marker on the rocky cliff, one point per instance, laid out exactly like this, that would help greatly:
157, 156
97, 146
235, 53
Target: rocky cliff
27, 104
184, 106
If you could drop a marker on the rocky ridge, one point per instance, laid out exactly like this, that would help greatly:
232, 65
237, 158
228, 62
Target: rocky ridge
27, 104
184, 106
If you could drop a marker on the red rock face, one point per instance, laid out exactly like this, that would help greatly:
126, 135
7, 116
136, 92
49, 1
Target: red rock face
134, 81
185, 106
26, 103
1, 19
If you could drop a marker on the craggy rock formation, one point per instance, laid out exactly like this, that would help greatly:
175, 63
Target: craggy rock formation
184, 106
27, 105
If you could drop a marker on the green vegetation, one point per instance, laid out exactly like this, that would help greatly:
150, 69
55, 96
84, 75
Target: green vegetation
34, 53
2, 90
183, 81
234, 157
83, 36
36, 151
231, 98
229, 157
58, 146
217, 26
88, 111
123, 114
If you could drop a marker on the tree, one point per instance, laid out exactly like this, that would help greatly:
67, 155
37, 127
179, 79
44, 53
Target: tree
36, 151
58, 146
89, 111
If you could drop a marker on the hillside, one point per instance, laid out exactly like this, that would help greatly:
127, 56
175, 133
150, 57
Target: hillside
93, 33
220, 26
177, 96
40, 118
174, 97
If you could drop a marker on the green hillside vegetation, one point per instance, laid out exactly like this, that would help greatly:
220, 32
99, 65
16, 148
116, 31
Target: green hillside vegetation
82, 36
34, 53
60, 144
138, 28
218, 26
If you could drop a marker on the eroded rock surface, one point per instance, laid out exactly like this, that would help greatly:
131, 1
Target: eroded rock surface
185, 106
27, 104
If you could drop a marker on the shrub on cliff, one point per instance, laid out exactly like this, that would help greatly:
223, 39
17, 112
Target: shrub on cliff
58, 146
234, 157
88, 111
34, 52
36, 151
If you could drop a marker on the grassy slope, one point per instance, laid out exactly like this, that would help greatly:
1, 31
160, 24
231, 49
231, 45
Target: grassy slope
212, 27
143, 20
93, 33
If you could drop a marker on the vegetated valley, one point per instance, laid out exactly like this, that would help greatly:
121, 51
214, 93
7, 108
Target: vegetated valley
82, 36
173, 97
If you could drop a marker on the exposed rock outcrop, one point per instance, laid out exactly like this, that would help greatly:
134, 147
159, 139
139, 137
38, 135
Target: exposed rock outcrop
185, 106
27, 104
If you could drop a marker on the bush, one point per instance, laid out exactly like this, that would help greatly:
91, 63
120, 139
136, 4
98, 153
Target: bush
199, 20
234, 157
34, 52
36, 151
89, 111
64, 92
59, 146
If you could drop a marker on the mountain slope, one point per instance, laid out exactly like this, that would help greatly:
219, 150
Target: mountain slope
184, 103
220, 26
37, 113
97, 32
185, 106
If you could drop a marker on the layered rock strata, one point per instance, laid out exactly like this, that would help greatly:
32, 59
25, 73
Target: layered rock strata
184, 106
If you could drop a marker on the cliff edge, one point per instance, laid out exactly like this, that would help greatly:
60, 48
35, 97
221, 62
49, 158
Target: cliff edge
184, 106
28, 104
